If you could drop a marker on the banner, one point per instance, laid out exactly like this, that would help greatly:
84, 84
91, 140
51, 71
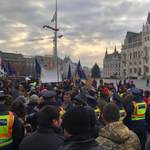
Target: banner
50, 75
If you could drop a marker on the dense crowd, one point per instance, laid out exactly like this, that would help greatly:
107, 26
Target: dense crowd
71, 115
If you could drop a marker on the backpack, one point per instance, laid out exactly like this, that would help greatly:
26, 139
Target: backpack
26, 127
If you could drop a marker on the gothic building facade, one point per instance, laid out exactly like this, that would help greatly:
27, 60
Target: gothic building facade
112, 64
135, 53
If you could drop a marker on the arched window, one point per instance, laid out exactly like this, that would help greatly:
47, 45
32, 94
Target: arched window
130, 55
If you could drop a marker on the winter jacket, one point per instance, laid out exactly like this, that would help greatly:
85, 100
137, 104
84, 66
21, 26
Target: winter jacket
117, 136
80, 142
14, 92
68, 106
59, 101
73, 95
45, 138
30, 107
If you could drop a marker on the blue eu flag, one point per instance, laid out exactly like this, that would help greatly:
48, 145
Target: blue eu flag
37, 65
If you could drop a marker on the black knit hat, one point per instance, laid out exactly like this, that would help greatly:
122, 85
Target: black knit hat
81, 99
58, 92
77, 120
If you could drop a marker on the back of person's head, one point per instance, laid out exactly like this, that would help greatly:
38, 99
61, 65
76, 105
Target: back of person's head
17, 86
80, 99
76, 121
76, 89
129, 92
111, 113
25, 94
18, 107
47, 115
34, 98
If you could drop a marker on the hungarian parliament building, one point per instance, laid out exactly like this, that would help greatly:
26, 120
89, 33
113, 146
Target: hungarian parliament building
133, 61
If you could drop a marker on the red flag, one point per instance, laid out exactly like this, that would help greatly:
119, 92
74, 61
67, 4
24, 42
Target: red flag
48, 64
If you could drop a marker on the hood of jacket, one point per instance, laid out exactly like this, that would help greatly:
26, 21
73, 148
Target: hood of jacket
116, 132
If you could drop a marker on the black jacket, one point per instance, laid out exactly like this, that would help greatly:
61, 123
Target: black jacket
73, 95
30, 107
16, 133
14, 92
81, 142
45, 138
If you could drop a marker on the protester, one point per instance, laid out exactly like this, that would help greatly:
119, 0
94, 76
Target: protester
76, 124
47, 135
115, 135
146, 96
75, 91
20, 110
58, 97
10, 131
32, 103
15, 90
67, 104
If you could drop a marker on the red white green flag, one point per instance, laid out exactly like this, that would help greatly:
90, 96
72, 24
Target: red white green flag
62, 73
54, 17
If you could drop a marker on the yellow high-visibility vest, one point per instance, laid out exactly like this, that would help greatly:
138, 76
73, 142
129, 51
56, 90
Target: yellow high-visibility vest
6, 125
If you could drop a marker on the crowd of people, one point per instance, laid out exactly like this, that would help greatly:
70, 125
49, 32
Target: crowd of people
73, 116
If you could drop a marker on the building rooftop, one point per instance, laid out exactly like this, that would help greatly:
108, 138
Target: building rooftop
66, 59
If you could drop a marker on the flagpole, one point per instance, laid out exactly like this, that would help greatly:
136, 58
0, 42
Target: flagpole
55, 63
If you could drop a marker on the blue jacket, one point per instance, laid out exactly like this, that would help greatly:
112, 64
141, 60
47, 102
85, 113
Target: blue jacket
16, 133
138, 125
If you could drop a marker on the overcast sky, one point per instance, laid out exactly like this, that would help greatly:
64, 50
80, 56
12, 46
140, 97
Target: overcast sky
87, 26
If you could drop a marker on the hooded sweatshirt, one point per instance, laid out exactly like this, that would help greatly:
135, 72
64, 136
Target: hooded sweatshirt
117, 136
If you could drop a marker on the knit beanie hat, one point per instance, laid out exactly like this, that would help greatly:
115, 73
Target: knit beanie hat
77, 120
58, 92
81, 99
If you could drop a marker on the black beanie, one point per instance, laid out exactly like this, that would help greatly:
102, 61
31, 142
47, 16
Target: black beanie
77, 120
58, 92
81, 98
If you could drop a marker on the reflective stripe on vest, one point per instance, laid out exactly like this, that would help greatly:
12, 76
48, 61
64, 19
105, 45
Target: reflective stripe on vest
98, 112
62, 111
121, 95
99, 94
6, 125
139, 111
123, 114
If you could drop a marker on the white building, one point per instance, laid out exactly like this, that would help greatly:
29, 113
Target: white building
66, 63
112, 64
135, 53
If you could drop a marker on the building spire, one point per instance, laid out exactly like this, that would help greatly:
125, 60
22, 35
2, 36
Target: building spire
106, 52
115, 49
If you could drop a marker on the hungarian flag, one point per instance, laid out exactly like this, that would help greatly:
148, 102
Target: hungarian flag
1, 66
62, 73
140, 52
54, 17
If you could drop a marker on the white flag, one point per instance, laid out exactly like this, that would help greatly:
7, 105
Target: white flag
50, 75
